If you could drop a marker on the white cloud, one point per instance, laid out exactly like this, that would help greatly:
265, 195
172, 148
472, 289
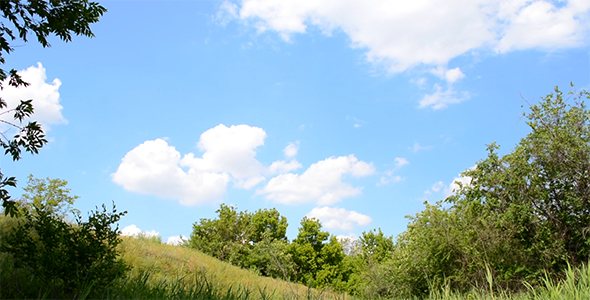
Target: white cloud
229, 149
339, 218
403, 34
176, 240
227, 12
542, 24
46, 101
417, 147
441, 99
400, 162
133, 230
320, 183
350, 237
291, 150
454, 75
454, 186
389, 177
281, 166
154, 168
437, 186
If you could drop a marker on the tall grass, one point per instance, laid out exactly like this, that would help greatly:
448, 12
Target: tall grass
574, 285
175, 272
162, 271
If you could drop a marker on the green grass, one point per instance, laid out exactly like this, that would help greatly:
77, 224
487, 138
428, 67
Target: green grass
161, 271
575, 285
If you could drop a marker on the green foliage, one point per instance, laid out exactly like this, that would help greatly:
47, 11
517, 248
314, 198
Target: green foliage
270, 257
226, 238
249, 240
523, 215
41, 18
65, 259
538, 196
268, 224
318, 263
49, 194
376, 246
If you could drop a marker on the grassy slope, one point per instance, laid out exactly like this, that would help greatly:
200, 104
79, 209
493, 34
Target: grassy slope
169, 263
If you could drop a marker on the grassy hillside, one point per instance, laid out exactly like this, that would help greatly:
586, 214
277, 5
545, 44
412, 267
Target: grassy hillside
172, 268
175, 268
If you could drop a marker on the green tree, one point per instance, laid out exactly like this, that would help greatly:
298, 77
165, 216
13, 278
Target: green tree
376, 246
270, 257
51, 195
521, 215
66, 259
318, 263
269, 223
42, 19
226, 238
538, 196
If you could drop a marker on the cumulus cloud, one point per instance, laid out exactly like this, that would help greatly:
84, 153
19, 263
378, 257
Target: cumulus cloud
154, 168
282, 166
157, 168
229, 149
542, 24
321, 182
177, 240
46, 101
403, 34
291, 150
453, 75
133, 230
455, 186
441, 99
452, 188
339, 218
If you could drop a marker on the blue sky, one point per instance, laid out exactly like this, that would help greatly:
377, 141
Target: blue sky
354, 112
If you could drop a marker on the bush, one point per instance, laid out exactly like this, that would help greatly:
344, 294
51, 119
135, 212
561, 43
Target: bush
55, 258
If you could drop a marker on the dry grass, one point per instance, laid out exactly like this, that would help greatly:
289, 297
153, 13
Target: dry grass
166, 263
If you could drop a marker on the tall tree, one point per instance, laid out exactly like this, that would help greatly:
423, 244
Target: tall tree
317, 255
226, 238
41, 19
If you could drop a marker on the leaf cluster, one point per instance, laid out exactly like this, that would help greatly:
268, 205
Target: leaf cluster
65, 259
40, 18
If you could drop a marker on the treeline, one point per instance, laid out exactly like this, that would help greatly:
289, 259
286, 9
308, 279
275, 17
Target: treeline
258, 241
523, 220
523, 216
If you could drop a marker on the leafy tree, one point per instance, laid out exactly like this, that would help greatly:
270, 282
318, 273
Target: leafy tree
318, 263
226, 238
270, 257
376, 246
268, 223
521, 215
50, 194
538, 196
67, 259
51, 254
40, 18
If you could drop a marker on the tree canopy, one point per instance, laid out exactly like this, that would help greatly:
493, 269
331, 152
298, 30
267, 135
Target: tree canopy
42, 19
